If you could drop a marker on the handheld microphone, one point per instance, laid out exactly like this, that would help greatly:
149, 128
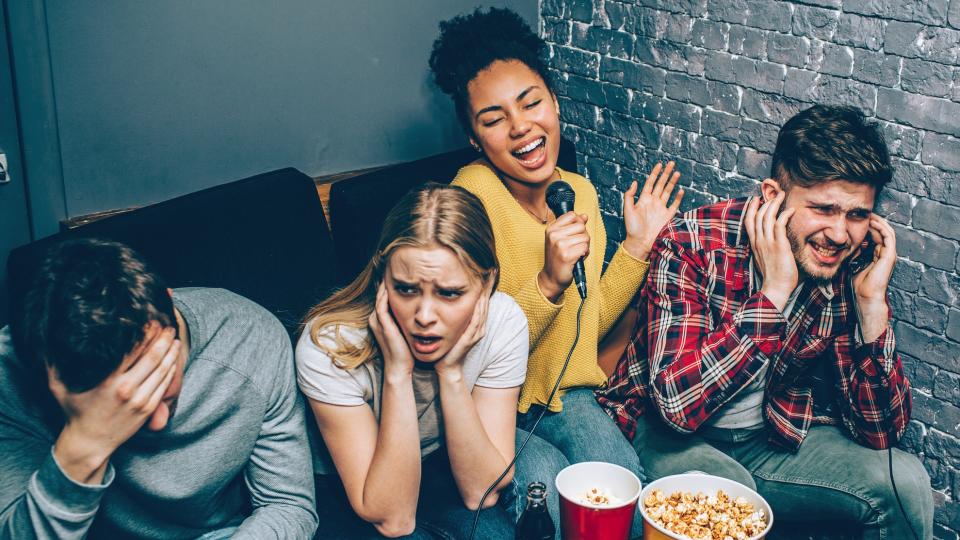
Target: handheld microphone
560, 199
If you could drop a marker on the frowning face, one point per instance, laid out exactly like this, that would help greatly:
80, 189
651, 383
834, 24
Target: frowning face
831, 220
432, 297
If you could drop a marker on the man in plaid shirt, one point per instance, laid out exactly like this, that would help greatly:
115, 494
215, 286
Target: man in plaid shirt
763, 351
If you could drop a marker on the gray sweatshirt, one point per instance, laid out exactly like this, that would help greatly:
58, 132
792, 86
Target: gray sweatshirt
233, 456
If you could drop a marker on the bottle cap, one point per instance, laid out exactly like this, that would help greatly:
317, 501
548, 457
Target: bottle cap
537, 490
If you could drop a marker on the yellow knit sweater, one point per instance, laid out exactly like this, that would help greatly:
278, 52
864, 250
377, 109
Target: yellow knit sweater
519, 239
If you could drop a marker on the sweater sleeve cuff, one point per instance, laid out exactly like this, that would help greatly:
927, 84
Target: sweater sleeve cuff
628, 270
62, 495
642, 262
531, 296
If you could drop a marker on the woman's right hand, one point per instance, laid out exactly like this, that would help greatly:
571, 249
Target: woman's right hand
397, 358
565, 241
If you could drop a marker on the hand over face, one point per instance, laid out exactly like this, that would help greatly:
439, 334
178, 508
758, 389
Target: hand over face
107, 415
870, 284
646, 216
771, 248
472, 335
397, 358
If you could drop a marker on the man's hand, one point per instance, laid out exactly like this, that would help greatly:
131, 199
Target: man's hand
565, 241
771, 249
644, 218
870, 285
99, 420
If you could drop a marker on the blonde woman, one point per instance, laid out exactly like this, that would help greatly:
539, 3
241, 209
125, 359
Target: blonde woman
413, 372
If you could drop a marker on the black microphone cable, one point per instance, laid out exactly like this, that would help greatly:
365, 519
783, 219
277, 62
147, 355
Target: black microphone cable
891, 435
543, 411
897, 494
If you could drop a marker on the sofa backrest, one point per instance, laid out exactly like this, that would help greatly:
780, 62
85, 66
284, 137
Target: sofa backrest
359, 205
264, 237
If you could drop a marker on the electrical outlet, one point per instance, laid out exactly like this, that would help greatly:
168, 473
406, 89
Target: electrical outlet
4, 173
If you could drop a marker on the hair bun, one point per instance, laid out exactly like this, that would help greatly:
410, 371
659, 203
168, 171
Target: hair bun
469, 43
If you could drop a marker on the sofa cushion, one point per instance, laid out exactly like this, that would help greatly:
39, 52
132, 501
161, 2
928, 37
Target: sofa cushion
264, 237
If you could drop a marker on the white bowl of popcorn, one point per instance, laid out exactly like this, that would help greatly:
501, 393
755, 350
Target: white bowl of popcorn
697, 506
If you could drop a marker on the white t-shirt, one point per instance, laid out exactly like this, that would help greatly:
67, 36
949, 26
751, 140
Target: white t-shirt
499, 360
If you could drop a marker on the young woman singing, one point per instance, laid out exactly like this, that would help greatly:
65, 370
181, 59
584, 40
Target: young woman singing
493, 67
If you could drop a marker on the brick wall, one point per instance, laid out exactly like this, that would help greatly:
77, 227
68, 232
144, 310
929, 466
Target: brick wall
709, 82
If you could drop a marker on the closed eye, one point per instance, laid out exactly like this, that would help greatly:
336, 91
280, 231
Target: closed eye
492, 122
534, 104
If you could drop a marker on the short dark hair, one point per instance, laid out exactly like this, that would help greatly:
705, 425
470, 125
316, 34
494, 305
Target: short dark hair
826, 143
468, 44
86, 308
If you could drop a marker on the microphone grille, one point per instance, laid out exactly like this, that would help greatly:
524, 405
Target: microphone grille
560, 194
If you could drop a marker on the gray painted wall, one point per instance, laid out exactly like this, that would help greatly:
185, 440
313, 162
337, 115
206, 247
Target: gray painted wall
151, 100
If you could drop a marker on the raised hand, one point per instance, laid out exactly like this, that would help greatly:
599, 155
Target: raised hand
565, 241
646, 216
99, 420
771, 248
397, 358
453, 360
870, 285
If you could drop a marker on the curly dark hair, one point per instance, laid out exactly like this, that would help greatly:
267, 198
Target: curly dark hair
86, 308
468, 44
826, 143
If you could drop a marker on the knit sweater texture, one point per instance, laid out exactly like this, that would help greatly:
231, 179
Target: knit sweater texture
520, 249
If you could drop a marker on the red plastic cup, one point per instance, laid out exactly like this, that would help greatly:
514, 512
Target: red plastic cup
580, 520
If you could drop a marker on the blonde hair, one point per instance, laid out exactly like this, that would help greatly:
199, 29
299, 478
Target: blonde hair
430, 216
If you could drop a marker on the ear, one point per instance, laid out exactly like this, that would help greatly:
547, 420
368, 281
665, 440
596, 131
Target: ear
770, 188
170, 292
556, 104
475, 144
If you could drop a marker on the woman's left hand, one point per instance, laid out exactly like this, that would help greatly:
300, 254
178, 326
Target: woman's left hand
644, 218
453, 360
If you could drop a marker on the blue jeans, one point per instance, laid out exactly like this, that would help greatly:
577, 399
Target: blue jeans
540, 461
583, 432
441, 513
831, 478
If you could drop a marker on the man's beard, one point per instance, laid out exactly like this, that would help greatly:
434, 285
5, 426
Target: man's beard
810, 270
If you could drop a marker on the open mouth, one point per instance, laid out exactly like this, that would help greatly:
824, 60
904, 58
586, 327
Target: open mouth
827, 255
425, 344
533, 154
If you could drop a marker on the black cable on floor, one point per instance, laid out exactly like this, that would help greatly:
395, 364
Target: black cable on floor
543, 411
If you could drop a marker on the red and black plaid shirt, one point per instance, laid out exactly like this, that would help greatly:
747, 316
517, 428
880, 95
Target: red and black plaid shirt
705, 331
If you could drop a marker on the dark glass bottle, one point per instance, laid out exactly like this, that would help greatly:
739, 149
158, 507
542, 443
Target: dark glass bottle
535, 522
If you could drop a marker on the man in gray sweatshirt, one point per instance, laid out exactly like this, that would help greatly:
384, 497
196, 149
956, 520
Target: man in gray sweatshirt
131, 410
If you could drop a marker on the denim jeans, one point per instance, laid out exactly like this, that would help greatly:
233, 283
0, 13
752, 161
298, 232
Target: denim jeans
831, 478
583, 432
441, 513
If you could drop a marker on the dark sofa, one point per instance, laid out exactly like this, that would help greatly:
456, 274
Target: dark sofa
264, 237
